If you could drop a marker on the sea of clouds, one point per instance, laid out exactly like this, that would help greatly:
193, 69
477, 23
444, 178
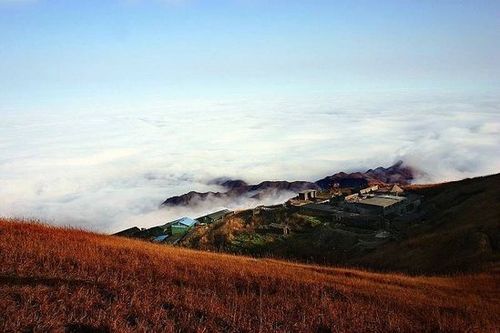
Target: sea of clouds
106, 170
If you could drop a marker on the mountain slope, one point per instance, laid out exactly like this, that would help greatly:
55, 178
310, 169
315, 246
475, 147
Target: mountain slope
68, 280
456, 229
460, 230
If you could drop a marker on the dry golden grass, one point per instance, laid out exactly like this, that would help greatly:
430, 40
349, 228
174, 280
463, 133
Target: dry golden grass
69, 280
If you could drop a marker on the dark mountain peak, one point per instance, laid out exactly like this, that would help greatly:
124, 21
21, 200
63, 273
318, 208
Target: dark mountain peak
398, 164
239, 188
398, 173
190, 198
281, 185
231, 184
395, 174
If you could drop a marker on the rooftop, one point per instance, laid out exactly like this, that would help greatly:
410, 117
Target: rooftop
160, 238
217, 214
127, 232
186, 221
308, 191
382, 201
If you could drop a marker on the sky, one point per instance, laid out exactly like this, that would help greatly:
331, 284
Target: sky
109, 107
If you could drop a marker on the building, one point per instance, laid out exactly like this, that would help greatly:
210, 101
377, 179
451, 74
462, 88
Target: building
151, 233
396, 190
368, 189
272, 207
307, 195
214, 217
379, 205
352, 197
130, 232
391, 190
160, 239
182, 226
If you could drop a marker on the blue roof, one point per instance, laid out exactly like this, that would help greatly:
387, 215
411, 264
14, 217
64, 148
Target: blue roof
160, 238
186, 221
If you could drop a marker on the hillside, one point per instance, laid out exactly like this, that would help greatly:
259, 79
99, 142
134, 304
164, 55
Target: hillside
459, 230
73, 281
456, 229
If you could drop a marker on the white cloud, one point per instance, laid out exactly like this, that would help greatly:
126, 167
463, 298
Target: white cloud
107, 171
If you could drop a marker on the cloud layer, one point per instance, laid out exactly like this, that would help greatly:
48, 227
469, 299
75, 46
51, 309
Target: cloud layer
106, 171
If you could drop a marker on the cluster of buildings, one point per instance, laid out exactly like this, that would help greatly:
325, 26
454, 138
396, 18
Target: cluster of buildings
368, 206
172, 232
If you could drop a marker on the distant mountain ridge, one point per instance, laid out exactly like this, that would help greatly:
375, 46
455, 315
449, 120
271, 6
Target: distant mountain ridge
397, 173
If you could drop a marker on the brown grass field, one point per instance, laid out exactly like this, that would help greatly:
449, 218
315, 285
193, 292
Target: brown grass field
62, 280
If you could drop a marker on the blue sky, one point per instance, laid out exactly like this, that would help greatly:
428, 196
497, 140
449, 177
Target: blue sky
65, 54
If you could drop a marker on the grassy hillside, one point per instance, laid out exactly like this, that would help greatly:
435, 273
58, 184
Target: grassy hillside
457, 229
68, 280
460, 231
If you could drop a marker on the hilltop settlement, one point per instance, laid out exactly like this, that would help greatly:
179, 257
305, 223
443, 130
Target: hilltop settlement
375, 219
343, 219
